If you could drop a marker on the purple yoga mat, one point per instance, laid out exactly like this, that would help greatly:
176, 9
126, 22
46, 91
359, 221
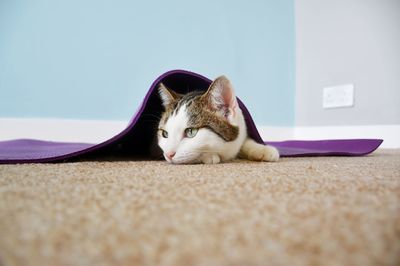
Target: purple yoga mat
135, 140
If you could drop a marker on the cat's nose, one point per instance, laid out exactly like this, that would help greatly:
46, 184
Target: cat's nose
170, 154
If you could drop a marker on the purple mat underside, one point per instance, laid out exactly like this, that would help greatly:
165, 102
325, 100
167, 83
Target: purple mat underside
134, 141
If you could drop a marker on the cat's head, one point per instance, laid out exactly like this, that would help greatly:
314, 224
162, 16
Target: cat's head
197, 123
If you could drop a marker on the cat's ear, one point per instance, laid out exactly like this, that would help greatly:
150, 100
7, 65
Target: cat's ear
221, 96
167, 96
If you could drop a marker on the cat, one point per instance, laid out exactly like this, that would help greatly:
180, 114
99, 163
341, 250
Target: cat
206, 127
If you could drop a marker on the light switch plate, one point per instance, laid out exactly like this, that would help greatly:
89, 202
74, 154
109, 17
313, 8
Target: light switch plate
338, 96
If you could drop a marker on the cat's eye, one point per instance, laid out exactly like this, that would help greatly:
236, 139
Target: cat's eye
164, 133
190, 132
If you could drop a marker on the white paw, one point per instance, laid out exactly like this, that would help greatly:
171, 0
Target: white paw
264, 153
210, 159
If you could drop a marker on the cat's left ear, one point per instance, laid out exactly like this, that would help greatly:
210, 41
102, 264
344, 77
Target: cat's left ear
221, 96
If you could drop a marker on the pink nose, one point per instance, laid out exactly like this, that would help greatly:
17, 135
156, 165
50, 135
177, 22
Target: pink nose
170, 154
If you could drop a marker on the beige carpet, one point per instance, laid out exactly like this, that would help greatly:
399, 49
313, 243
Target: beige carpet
304, 211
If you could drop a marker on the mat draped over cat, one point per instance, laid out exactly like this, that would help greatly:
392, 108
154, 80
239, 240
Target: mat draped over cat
208, 127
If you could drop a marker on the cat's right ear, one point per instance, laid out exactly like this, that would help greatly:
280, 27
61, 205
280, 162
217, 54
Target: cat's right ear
167, 96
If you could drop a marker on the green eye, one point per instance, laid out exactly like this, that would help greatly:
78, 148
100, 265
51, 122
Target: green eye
190, 132
164, 133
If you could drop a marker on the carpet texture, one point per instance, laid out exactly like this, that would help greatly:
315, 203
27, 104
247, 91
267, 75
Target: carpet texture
299, 211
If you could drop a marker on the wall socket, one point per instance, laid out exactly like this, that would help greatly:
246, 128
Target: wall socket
338, 96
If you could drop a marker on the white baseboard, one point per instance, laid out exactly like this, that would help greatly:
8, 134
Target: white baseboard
389, 133
269, 133
96, 131
64, 130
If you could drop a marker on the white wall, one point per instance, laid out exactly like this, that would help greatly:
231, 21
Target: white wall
348, 41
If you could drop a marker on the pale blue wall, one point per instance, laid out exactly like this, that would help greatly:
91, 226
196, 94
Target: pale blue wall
96, 59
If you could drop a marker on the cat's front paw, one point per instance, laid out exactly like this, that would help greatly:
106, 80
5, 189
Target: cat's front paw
264, 153
210, 159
